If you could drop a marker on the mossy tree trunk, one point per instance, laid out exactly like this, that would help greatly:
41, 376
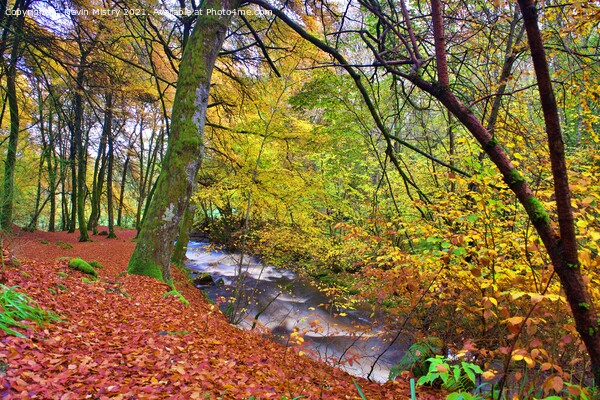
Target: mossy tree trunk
564, 253
6, 208
184, 235
80, 149
177, 179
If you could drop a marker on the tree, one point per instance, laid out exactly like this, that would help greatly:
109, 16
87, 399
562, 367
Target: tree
177, 179
562, 245
12, 27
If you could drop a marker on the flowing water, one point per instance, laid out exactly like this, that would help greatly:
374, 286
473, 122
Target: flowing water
287, 302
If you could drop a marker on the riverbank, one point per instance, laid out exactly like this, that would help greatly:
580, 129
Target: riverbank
121, 337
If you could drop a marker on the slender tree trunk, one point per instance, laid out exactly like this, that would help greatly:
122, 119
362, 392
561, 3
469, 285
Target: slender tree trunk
177, 180
80, 153
142, 182
510, 56
73, 167
149, 181
64, 168
122, 191
99, 173
33, 222
51, 174
109, 172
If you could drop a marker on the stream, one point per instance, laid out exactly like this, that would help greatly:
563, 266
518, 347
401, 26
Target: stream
349, 339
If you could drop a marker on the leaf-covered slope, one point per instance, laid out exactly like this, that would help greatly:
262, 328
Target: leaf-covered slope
122, 338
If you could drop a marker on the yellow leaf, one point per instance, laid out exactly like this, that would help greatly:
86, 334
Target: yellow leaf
488, 375
530, 363
514, 320
516, 295
536, 297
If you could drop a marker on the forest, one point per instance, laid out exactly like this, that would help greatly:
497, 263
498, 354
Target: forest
436, 160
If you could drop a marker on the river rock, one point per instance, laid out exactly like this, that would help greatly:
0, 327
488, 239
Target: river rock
204, 280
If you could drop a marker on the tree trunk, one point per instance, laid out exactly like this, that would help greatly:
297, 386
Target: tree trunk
99, 172
122, 191
109, 172
6, 208
142, 182
51, 174
564, 251
81, 155
73, 167
184, 235
177, 179
33, 222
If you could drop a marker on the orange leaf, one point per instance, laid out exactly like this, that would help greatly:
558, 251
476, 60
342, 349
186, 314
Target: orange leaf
441, 368
553, 383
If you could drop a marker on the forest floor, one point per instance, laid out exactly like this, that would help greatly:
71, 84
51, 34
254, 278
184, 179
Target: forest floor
120, 337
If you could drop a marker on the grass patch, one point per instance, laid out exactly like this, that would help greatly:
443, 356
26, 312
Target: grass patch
17, 307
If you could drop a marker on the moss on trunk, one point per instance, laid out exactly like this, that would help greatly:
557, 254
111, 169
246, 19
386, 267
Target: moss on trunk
177, 178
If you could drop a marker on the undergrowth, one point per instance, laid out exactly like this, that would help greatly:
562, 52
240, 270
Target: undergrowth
16, 307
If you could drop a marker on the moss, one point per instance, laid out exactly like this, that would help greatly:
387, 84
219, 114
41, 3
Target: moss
193, 142
139, 266
83, 266
585, 306
176, 293
62, 274
536, 211
514, 178
96, 264
573, 266
64, 245
490, 144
